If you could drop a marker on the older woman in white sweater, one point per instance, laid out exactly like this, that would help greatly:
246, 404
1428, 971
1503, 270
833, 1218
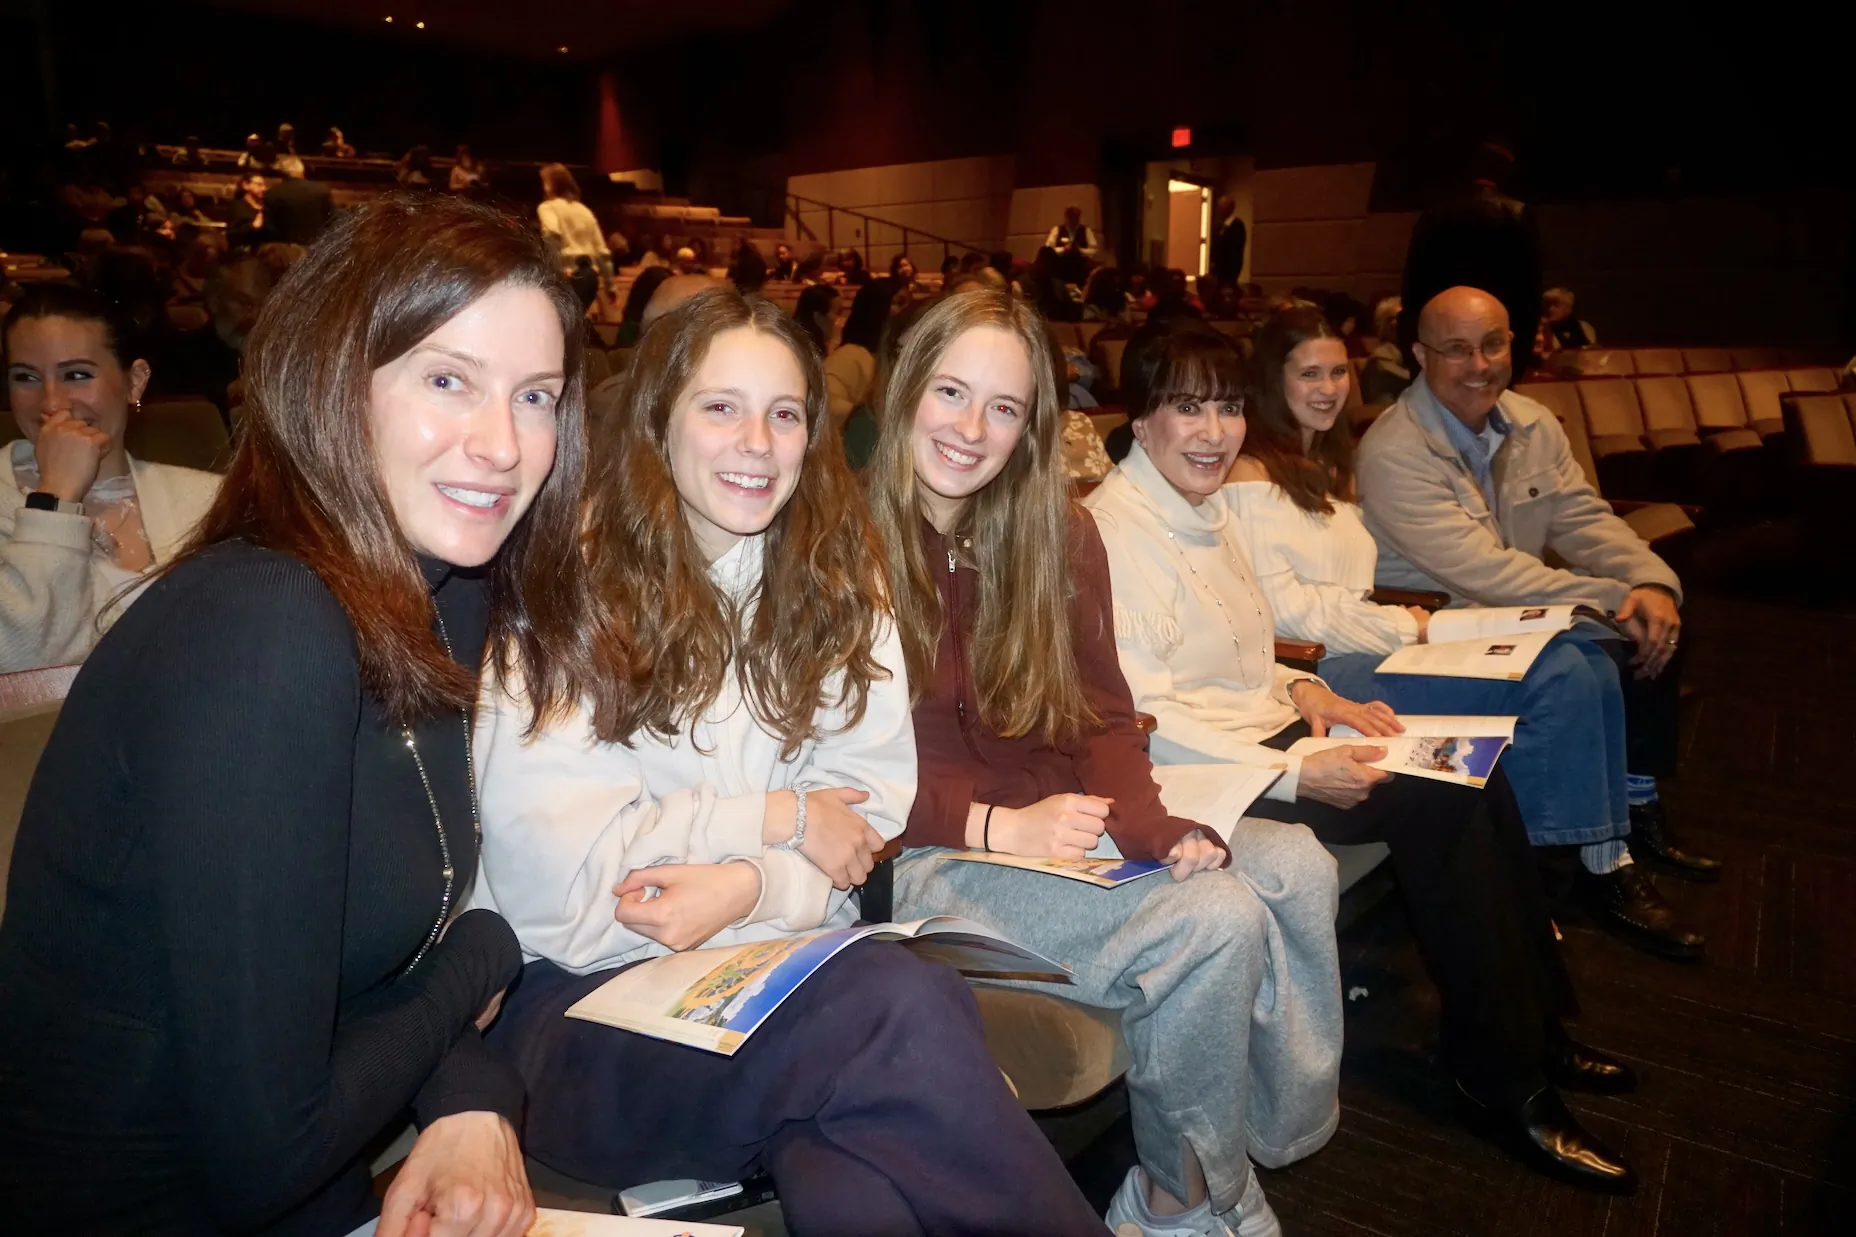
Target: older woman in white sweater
727, 781
1196, 635
1294, 495
82, 523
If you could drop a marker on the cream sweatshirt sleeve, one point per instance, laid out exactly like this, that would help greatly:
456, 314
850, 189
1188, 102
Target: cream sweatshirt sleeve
48, 602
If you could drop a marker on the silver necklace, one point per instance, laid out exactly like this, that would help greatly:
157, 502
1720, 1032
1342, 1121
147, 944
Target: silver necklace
1217, 600
476, 816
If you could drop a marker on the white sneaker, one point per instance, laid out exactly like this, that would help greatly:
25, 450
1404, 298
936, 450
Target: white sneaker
1129, 1215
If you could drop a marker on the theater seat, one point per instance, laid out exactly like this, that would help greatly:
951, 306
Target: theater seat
1717, 402
186, 432
1110, 352
1665, 526
1614, 422
1707, 360
1594, 363
1815, 378
1760, 390
1822, 429
1056, 1052
1658, 360
1821, 433
1756, 358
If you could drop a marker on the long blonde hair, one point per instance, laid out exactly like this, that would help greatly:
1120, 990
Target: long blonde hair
1023, 653
668, 635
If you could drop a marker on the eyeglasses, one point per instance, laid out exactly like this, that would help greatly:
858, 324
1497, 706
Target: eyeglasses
1493, 348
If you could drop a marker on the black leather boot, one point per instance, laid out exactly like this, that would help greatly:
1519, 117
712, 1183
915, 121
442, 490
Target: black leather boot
1652, 842
1544, 1135
1626, 904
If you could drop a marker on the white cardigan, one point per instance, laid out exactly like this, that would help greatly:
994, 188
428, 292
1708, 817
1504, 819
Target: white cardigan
1317, 570
1184, 591
54, 584
574, 226
566, 817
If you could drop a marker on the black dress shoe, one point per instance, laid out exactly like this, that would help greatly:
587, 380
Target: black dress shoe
1574, 1067
1626, 904
1543, 1134
1651, 841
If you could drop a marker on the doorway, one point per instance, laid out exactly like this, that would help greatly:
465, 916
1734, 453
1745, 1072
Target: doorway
1188, 226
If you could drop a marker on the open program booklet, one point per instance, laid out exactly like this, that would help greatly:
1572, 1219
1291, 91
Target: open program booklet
714, 999
1445, 749
552, 1223
1494, 642
1213, 795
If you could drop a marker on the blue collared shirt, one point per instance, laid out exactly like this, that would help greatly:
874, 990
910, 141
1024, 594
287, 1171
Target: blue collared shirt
1478, 450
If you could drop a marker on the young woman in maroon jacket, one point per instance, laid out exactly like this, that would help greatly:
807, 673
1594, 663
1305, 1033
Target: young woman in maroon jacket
1226, 980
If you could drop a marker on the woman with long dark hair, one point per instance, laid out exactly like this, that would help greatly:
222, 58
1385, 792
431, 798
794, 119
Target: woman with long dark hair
1196, 637
850, 370
1225, 983
231, 952
741, 754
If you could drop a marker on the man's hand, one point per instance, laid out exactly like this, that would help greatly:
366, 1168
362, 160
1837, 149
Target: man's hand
1341, 776
1321, 708
694, 901
1654, 623
1063, 826
463, 1178
1194, 853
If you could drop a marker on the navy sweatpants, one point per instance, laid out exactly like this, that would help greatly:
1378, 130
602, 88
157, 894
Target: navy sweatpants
868, 1096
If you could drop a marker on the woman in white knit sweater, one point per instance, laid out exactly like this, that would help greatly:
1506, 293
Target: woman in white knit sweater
1293, 494
1196, 637
729, 780
571, 226
82, 522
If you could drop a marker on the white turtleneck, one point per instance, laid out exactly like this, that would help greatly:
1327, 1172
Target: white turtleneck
1195, 635
566, 817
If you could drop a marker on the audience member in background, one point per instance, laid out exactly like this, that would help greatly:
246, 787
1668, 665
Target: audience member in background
1556, 306
753, 682
1467, 487
296, 209
467, 172
748, 270
286, 139
1195, 636
1209, 290
224, 1028
631, 321
974, 260
198, 258
672, 293
254, 155
950, 266
1044, 287
815, 311
1027, 745
1105, 298
985, 277
850, 370
1170, 296
851, 268
1072, 236
585, 282
620, 248
81, 520
1480, 237
784, 268
1297, 510
1230, 237
335, 145
414, 169
570, 225
188, 208
685, 262
235, 293
246, 227
902, 270
1385, 376
189, 155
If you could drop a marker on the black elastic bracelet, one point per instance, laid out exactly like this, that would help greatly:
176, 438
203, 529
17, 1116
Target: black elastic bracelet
986, 829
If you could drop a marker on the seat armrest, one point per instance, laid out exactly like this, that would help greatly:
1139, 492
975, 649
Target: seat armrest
1408, 597
1301, 654
876, 899
1624, 506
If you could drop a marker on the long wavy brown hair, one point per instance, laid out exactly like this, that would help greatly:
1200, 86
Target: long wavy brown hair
1314, 478
304, 480
1024, 658
804, 639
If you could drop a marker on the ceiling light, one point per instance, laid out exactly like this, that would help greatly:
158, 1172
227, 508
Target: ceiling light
389, 17
561, 50
418, 25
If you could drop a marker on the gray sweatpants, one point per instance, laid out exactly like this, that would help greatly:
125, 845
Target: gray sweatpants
1228, 985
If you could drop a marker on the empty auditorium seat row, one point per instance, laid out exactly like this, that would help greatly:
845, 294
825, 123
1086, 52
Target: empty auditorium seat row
1628, 362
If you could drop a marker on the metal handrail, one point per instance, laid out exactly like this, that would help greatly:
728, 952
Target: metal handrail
794, 201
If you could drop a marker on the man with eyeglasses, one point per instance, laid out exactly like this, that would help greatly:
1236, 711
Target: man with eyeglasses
1467, 487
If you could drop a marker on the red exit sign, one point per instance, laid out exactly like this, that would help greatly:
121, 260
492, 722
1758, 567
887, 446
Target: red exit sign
1182, 137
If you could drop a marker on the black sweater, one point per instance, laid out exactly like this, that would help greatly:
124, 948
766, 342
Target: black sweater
225, 862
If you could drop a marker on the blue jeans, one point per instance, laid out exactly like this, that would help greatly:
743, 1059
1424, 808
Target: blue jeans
1567, 763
